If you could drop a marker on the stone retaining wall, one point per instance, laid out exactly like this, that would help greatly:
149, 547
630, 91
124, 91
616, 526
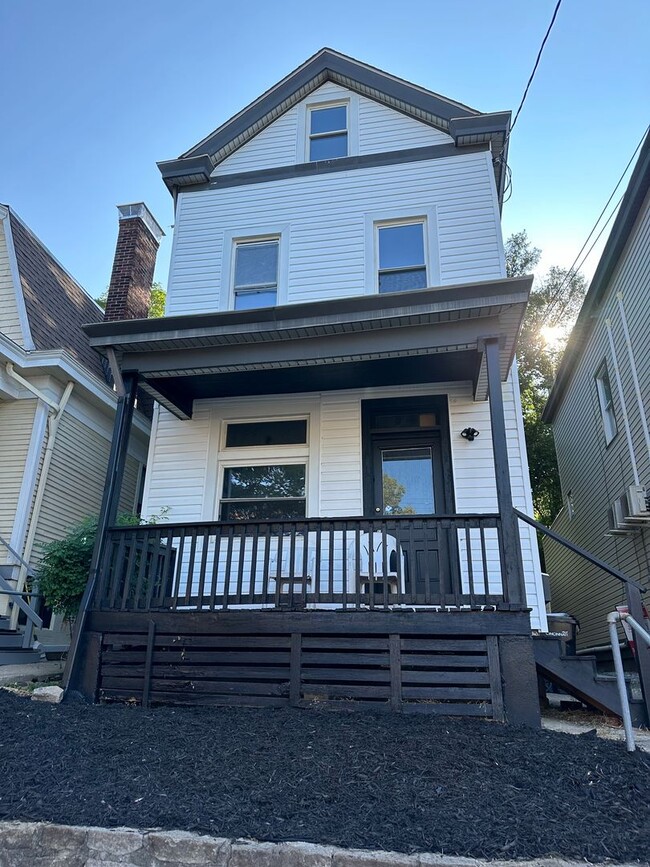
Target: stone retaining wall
37, 844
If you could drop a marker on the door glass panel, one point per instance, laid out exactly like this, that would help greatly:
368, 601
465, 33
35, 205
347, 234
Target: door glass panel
407, 481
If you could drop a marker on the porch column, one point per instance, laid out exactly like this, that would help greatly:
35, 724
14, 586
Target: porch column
78, 671
511, 545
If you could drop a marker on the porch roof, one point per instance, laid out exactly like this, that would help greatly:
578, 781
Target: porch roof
427, 335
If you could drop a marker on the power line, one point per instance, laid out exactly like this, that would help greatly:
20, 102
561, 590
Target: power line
530, 80
573, 270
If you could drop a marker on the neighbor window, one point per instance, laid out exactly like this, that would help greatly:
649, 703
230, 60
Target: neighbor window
604, 389
261, 493
402, 265
328, 132
256, 273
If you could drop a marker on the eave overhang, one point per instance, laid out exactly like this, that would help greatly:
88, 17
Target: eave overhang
466, 125
390, 339
633, 200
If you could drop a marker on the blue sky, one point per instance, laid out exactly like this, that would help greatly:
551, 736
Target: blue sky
96, 93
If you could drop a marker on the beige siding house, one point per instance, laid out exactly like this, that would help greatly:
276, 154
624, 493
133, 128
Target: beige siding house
600, 412
57, 406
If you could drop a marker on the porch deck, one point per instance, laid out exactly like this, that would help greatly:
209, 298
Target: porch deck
407, 613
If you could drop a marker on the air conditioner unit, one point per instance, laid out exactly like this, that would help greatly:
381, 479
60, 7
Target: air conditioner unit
638, 501
618, 518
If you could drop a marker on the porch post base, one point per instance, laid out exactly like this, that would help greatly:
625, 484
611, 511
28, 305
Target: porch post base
84, 679
519, 679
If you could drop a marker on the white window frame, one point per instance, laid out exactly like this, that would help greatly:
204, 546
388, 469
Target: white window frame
304, 124
607, 412
238, 411
251, 236
428, 217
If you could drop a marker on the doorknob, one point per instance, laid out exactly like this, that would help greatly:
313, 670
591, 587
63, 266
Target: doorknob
377, 508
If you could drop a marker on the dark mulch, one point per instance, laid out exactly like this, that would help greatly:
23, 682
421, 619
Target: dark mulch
407, 783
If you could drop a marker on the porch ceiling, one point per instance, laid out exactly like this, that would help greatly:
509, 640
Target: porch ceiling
431, 335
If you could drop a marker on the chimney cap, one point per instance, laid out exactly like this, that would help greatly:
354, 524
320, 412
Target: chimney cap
139, 209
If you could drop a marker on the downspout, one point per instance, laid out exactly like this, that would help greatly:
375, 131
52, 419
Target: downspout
621, 396
635, 378
53, 420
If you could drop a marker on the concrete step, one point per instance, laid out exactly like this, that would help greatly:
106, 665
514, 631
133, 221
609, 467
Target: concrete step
20, 656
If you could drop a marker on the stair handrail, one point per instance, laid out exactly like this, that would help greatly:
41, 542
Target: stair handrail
582, 552
612, 620
15, 554
7, 590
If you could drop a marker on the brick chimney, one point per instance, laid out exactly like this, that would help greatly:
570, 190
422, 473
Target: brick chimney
129, 292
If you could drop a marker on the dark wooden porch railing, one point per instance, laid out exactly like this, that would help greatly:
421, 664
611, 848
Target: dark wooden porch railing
447, 561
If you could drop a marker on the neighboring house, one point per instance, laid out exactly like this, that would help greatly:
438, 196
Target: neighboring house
56, 404
600, 411
337, 313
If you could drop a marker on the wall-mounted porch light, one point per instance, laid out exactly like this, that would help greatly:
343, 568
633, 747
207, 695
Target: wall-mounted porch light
470, 434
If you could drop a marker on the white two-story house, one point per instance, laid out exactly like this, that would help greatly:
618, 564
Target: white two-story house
338, 442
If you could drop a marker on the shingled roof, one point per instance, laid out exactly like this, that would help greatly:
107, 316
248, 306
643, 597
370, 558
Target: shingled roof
56, 304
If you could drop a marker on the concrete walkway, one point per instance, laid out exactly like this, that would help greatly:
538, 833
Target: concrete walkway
641, 736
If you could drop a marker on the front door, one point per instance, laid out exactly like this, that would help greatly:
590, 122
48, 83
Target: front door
408, 478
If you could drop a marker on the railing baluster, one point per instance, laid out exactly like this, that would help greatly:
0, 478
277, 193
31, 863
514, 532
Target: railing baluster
129, 568
202, 568
179, 570
330, 563
241, 560
265, 565
214, 577
252, 572
190, 568
317, 557
470, 566
144, 550
384, 560
484, 562
153, 568
226, 574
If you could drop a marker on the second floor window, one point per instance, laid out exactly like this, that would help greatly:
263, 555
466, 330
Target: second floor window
402, 265
604, 389
328, 132
256, 274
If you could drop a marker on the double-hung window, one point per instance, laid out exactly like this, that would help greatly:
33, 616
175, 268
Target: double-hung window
402, 263
328, 132
604, 390
256, 273
265, 470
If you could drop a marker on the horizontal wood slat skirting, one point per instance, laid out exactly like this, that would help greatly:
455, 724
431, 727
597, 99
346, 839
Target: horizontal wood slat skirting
420, 662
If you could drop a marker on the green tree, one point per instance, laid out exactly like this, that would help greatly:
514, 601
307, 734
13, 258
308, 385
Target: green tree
393, 492
156, 307
554, 304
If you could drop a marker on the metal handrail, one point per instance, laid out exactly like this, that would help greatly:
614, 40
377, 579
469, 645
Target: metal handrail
15, 554
612, 619
582, 552
25, 607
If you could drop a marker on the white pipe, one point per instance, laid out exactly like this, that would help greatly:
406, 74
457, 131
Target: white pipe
640, 631
28, 385
53, 421
621, 397
635, 378
612, 620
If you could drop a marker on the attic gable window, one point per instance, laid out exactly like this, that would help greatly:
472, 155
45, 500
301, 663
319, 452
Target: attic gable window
402, 264
256, 273
328, 132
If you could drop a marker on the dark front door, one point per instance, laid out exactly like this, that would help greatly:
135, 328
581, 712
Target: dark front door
411, 477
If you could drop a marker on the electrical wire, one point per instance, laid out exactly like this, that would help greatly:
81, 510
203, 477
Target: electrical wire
573, 270
530, 80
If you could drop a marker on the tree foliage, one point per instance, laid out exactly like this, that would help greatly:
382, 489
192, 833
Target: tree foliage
156, 307
554, 304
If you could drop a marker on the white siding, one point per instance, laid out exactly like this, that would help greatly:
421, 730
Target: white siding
282, 143
16, 419
10, 324
75, 481
325, 219
183, 472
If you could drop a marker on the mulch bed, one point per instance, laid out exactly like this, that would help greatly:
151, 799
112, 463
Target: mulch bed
362, 780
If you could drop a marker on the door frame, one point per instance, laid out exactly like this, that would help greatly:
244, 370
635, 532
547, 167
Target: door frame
437, 404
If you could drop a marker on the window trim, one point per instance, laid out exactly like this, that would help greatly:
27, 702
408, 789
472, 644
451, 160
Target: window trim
303, 125
252, 235
389, 224
342, 103
396, 216
607, 411
267, 460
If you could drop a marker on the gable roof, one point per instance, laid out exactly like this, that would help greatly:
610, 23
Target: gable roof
55, 303
635, 195
466, 125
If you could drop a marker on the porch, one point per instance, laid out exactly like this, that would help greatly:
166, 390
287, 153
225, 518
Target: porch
413, 605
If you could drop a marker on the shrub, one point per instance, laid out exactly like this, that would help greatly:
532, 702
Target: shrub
63, 572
